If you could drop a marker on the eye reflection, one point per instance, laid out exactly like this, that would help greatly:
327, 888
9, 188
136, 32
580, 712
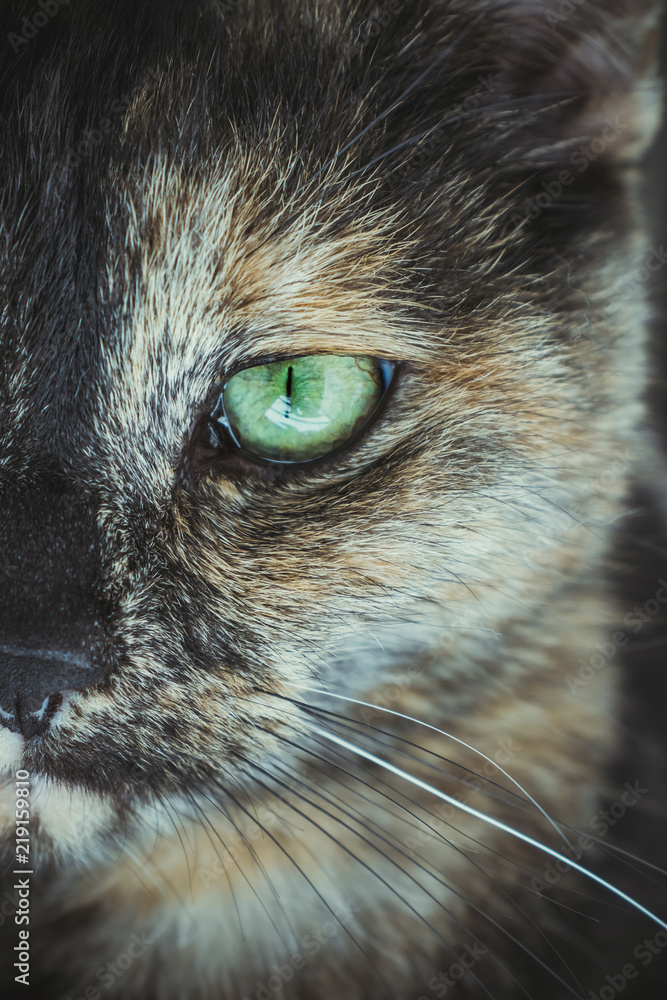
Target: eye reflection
283, 414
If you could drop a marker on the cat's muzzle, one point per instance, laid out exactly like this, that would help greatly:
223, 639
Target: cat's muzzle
52, 637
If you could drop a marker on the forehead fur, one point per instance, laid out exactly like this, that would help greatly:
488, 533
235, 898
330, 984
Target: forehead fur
161, 231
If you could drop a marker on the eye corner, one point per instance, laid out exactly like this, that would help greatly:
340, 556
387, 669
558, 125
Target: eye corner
388, 370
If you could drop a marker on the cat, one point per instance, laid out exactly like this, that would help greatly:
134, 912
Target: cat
322, 391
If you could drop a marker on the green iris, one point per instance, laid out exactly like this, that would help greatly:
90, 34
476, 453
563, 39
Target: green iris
302, 408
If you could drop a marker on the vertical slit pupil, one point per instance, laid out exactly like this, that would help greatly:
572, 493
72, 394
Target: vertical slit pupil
288, 390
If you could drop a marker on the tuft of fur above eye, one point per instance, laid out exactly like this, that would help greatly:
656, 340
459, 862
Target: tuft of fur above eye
301, 409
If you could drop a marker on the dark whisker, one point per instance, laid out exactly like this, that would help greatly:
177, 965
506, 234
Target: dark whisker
438, 878
355, 857
298, 867
207, 827
497, 823
163, 803
428, 867
225, 813
345, 720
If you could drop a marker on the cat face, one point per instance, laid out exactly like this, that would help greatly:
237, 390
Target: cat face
196, 207
189, 579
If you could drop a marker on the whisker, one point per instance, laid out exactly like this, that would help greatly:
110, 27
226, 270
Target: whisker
248, 845
428, 867
327, 762
442, 732
346, 849
397, 791
225, 813
364, 864
145, 866
619, 850
515, 802
298, 867
442, 882
163, 803
526, 838
205, 825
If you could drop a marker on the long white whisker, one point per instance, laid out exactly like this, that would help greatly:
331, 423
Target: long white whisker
493, 822
442, 732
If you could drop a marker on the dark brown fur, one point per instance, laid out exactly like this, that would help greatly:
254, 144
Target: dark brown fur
256, 193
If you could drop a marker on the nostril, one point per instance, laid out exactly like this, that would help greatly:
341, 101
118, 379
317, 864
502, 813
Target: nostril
29, 723
32, 682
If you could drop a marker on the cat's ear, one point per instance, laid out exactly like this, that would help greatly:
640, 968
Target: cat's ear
598, 56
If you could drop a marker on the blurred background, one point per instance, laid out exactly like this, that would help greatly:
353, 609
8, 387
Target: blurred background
640, 563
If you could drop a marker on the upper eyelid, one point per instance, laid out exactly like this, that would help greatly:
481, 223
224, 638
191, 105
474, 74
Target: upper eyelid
268, 359
260, 362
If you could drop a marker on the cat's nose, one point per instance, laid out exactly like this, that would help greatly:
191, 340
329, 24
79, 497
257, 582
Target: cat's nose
33, 680
52, 637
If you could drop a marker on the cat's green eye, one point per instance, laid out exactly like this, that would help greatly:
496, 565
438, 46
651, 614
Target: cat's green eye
301, 409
